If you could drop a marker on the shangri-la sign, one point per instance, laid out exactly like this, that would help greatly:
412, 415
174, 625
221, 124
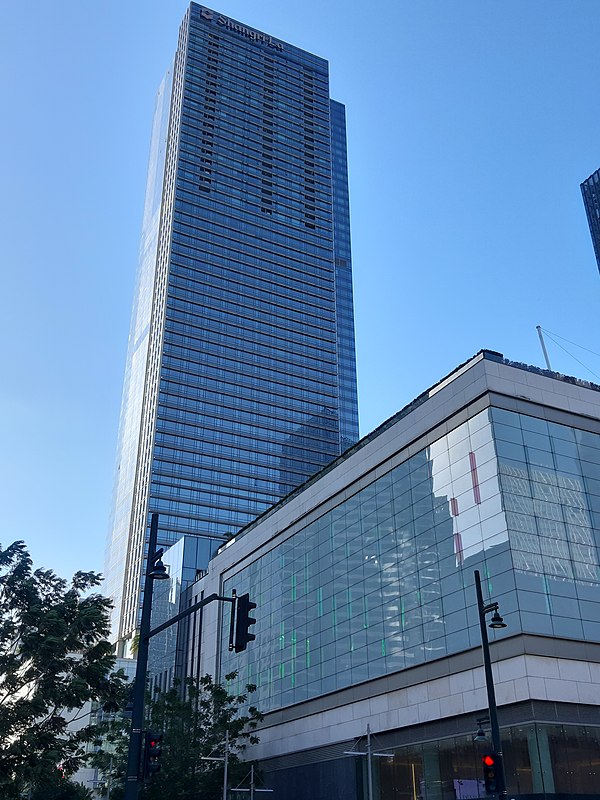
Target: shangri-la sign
255, 36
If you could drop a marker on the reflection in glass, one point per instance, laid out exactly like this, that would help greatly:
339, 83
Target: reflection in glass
361, 589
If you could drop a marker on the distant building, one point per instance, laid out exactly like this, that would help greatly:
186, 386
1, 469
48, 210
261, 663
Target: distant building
92, 714
590, 190
240, 380
366, 610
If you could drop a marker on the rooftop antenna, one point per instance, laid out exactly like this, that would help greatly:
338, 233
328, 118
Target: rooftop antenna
539, 330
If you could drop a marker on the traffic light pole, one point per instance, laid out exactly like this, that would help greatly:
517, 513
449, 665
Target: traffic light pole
139, 686
132, 780
483, 609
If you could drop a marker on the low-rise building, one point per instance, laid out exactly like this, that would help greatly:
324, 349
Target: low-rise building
366, 609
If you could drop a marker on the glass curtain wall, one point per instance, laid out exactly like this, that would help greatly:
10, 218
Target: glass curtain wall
550, 481
384, 581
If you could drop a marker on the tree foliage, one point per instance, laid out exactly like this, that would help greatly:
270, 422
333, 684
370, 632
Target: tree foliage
60, 788
194, 723
54, 658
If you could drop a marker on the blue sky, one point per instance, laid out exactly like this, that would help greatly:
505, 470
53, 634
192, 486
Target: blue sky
471, 124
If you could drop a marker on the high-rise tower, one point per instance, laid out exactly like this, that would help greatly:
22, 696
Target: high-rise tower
590, 190
240, 380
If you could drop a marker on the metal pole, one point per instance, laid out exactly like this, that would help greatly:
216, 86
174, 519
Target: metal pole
545, 352
108, 783
369, 764
225, 765
489, 683
132, 781
252, 782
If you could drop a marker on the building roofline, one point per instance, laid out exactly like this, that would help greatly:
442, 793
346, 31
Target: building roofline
488, 355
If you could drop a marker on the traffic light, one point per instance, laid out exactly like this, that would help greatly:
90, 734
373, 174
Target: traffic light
243, 621
152, 753
491, 773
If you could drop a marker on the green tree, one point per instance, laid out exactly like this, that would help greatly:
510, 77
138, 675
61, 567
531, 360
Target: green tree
61, 788
54, 658
194, 724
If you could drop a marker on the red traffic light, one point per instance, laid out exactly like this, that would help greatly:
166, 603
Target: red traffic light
492, 773
152, 753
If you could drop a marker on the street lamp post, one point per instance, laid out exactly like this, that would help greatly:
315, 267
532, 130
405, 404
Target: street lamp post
496, 622
369, 756
155, 570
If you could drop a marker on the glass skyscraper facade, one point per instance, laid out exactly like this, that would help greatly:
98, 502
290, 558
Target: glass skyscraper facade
590, 191
240, 380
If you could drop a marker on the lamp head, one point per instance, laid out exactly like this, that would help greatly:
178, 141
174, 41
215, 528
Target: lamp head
480, 735
497, 621
159, 571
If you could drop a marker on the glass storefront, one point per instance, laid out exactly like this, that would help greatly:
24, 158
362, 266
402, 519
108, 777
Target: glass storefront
538, 759
542, 762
